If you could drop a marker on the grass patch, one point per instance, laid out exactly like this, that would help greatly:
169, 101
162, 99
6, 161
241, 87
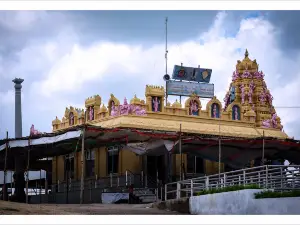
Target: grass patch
272, 194
227, 189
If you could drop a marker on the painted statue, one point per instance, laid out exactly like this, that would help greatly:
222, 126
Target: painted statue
194, 108
270, 123
71, 119
33, 131
226, 101
263, 97
91, 113
215, 112
258, 75
251, 89
242, 87
155, 104
125, 108
235, 75
246, 74
114, 109
235, 113
269, 98
138, 110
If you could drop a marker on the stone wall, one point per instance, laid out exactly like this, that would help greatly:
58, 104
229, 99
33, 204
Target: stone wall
242, 203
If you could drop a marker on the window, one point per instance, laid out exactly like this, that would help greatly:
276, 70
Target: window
112, 159
69, 166
90, 163
195, 164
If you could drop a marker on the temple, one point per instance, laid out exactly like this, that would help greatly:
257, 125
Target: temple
247, 112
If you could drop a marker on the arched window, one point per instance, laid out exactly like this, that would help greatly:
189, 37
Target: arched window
71, 119
215, 110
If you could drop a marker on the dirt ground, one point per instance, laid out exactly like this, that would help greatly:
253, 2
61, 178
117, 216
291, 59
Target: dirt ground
11, 208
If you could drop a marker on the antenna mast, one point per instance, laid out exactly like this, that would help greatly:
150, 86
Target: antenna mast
166, 57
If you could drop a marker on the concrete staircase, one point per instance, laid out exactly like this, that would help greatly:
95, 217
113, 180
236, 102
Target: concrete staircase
146, 195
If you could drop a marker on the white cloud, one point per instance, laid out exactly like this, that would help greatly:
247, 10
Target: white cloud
20, 20
72, 67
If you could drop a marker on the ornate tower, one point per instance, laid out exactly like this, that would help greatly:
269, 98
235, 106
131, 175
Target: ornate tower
249, 89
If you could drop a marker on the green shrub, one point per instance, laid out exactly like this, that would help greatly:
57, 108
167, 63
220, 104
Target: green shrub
229, 188
272, 194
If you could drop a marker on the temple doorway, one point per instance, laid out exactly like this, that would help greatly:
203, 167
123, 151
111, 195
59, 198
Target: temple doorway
156, 170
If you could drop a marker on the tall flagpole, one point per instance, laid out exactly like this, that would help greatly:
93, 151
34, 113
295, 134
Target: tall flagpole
263, 149
219, 151
166, 57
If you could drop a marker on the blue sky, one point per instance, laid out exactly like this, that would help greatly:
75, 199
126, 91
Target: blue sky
67, 56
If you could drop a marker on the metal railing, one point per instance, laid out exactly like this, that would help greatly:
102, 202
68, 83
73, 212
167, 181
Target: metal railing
277, 177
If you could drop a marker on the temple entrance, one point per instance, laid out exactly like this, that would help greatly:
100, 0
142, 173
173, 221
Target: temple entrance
156, 170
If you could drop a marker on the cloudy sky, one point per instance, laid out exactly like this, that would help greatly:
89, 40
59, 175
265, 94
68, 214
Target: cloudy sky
67, 56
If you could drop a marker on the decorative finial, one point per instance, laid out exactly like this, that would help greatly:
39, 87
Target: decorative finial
246, 53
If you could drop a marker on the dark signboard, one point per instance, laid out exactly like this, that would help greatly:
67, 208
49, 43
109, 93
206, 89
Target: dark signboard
191, 74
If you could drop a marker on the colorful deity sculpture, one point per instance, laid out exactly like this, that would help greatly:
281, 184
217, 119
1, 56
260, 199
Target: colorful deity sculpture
246, 74
242, 87
194, 109
71, 119
215, 111
250, 93
125, 108
270, 123
156, 104
138, 110
263, 97
114, 109
258, 75
235, 113
226, 100
33, 131
235, 75
91, 113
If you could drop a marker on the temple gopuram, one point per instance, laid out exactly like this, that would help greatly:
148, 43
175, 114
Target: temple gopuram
247, 112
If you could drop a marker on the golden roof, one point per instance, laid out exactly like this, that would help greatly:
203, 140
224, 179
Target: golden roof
103, 109
176, 104
56, 121
197, 127
135, 101
247, 64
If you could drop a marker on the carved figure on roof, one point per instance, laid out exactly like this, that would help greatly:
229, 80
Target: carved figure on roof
215, 111
258, 75
270, 123
262, 97
250, 93
269, 98
226, 100
33, 131
91, 113
236, 113
194, 108
246, 74
138, 110
156, 104
235, 75
125, 108
71, 119
242, 87
114, 109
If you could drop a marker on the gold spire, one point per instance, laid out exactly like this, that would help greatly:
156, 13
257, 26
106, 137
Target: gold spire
103, 109
135, 100
246, 53
176, 104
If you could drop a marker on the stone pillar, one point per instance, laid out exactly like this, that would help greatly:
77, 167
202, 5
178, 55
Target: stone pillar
20, 166
18, 107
